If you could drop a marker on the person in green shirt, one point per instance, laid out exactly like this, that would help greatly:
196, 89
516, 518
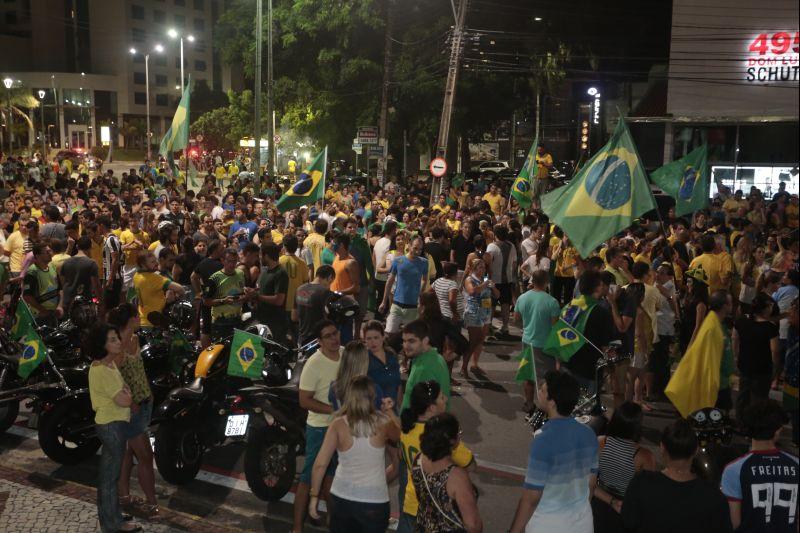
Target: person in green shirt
428, 364
40, 287
226, 293
721, 303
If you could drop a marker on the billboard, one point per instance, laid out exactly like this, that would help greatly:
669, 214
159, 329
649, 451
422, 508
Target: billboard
734, 60
484, 151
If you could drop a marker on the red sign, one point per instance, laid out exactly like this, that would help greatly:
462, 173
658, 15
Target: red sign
774, 57
438, 167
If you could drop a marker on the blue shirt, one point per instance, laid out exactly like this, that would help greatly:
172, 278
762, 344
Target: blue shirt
561, 459
408, 278
387, 376
538, 309
379, 396
251, 228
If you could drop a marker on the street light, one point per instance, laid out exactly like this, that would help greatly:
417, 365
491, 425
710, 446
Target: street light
592, 91
8, 82
158, 49
41, 114
173, 34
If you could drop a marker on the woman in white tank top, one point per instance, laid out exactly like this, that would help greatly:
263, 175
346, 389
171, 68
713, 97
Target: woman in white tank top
359, 501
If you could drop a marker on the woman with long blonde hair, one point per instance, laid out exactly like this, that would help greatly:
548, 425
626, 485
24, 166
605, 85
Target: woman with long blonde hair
354, 362
359, 495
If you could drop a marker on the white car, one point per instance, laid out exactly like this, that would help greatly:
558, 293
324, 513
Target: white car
491, 166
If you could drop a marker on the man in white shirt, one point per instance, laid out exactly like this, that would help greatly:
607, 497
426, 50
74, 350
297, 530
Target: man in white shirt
503, 272
379, 252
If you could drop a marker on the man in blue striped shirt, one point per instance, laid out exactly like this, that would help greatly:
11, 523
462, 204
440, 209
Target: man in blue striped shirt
562, 465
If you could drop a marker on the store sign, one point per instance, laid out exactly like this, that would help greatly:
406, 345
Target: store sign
596, 109
773, 57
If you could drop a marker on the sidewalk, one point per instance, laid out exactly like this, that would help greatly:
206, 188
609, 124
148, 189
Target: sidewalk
38, 503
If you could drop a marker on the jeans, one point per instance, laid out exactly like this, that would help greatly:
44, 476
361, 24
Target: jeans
348, 516
407, 523
113, 436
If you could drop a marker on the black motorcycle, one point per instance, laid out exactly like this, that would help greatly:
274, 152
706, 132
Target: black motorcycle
217, 408
715, 433
57, 390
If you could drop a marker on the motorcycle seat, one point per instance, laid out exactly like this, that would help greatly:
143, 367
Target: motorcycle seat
192, 391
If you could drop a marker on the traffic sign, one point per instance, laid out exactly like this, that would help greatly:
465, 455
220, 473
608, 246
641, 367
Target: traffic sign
438, 167
277, 139
357, 148
375, 151
368, 135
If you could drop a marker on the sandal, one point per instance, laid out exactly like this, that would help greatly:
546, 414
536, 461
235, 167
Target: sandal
151, 512
130, 500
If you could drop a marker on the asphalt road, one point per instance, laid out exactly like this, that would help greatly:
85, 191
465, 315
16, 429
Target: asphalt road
492, 424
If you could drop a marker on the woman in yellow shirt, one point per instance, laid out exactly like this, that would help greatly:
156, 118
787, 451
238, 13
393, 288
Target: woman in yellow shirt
566, 259
111, 401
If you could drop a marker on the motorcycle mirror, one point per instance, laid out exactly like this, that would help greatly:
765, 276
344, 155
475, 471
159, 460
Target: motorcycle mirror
158, 319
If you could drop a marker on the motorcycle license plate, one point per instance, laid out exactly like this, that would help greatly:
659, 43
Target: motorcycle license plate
236, 426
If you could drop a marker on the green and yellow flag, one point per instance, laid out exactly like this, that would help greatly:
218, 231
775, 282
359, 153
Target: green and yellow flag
309, 187
605, 197
686, 180
526, 371
177, 136
33, 349
247, 355
566, 335
521, 189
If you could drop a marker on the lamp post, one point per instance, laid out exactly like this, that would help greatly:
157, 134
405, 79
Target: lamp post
8, 82
173, 34
158, 49
41, 115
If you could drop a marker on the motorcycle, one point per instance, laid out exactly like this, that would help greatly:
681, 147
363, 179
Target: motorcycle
57, 390
589, 410
714, 433
216, 408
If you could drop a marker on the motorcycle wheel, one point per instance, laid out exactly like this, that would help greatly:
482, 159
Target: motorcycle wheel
8, 415
270, 464
178, 453
57, 435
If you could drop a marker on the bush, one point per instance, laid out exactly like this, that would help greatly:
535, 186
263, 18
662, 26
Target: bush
100, 152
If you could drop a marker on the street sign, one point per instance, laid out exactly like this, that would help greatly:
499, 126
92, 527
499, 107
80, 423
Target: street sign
375, 151
277, 139
438, 167
357, 148
368, 135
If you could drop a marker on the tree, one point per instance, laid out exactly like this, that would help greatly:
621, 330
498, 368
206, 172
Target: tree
15, 100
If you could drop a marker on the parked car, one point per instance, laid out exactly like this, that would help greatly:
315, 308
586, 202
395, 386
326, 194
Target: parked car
73, 155
491, 166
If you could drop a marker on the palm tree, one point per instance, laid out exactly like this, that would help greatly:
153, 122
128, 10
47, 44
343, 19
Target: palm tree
19, 98
133, 130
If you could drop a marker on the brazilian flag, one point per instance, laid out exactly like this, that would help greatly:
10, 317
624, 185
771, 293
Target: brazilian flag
566, 335
686, 180
33, 349
526, 371
521, 189
177, 136
605, 197
309, 187
247, 355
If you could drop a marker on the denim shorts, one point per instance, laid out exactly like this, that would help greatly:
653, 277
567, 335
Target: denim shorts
314, 438
140, 421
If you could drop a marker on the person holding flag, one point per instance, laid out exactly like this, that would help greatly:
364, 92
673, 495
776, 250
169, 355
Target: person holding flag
583, 330
177, 136
687, 181
309, 187
544, 163
604, 197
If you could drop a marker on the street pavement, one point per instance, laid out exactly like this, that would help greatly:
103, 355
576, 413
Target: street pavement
489, 409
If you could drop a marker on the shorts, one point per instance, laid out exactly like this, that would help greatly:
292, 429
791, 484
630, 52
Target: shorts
540, 187
639, 360
314, 438
506, 292
478, 319
140, 421
398, 316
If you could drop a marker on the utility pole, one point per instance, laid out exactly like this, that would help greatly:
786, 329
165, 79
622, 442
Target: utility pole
74, 17
383, 131
456, 49
257, 96
270, 105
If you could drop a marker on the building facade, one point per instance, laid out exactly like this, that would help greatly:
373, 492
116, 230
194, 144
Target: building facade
80, 52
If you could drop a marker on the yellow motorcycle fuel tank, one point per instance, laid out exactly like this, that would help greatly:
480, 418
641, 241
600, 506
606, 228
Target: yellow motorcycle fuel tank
206, 360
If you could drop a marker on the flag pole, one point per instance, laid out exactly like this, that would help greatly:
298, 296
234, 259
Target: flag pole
590, 343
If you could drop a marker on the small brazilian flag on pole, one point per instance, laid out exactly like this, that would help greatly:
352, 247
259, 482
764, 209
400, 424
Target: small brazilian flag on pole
566, 335
686, 180
605, 197
247, 355
309, 187
521, 189
526, 371
33, 349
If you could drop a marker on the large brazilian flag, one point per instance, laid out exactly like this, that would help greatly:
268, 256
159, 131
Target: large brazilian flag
309, 187
177, 136
605, 197
686, 180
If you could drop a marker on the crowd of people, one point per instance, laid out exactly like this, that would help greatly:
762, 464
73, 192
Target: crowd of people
435, 279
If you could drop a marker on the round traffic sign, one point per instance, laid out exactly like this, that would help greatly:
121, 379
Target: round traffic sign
277, 139
438, 167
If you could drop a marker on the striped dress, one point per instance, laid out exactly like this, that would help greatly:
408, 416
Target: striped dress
616, 465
